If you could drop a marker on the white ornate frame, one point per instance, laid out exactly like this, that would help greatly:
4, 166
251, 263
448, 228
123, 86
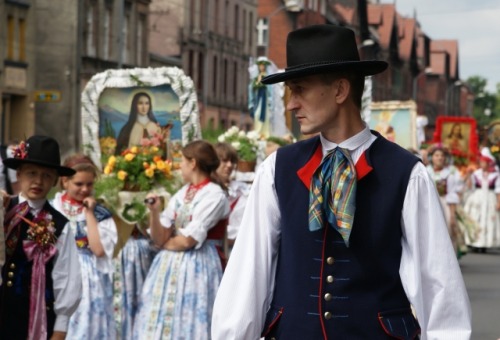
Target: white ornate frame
181, 84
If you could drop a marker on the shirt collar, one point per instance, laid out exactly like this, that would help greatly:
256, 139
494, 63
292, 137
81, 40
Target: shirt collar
35, 205
350, 144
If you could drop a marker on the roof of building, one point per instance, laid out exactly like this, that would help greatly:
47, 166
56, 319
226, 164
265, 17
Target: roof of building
451, 48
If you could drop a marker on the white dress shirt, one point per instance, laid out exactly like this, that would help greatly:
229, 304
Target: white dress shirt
66, 276
429, 269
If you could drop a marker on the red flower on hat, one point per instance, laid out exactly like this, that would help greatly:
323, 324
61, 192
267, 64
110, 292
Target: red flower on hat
21, 151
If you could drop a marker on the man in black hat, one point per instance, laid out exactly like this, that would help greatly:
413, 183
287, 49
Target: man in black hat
342, 232
41, 282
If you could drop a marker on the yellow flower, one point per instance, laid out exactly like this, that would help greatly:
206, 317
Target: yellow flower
149, 172
495, 148
108, 169
152, 166
129, 157
121, 175
112, 161
160, 165
134, 150
154, 149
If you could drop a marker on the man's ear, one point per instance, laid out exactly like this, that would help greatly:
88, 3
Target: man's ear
343, 90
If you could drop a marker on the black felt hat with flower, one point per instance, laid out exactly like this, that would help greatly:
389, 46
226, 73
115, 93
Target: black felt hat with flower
38, 150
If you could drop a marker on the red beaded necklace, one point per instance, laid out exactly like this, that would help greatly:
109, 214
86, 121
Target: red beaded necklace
193, 189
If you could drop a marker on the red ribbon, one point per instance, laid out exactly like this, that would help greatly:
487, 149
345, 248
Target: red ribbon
40, 255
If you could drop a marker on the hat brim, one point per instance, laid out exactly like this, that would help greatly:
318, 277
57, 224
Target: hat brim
364, 67
14, 163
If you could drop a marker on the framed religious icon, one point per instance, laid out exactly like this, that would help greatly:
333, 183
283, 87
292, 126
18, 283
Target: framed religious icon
396, 121
458, 135
493, 133
130, 107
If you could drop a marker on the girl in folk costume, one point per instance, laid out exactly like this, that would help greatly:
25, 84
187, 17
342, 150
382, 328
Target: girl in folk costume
41, 284
237, 191
179, 291
483, 204
449, 185
95, 236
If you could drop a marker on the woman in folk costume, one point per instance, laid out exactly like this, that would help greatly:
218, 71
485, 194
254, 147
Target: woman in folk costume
449, 185
237, 190
179, 291
41, 280
483, 204
95, 236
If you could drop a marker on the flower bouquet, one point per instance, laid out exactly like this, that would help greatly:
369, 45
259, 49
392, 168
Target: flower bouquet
129, 176
245, 143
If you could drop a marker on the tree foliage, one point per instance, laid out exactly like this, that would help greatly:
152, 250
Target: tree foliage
486, 104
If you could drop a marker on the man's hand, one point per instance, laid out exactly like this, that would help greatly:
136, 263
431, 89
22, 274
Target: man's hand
57, 335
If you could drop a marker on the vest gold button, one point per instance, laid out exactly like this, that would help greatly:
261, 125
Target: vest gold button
328, 315
10, 275
330, 260
9, 283
328, 297
329, 279
12, 266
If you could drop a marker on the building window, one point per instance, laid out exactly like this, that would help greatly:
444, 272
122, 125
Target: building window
244, 27
250, 30
203, 16
107, 33
262, 32
216, 17
141, 39
235, 81
191, 64
10, 37
226, 16
192, 14
125, 37
91, 29
225, 76
236, 21
215, 76
201, 58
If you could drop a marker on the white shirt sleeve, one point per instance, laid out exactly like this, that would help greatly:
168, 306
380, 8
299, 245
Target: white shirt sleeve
236, 215
453, 186
429, 268
67, 279
109, 237
240, 313
210, 205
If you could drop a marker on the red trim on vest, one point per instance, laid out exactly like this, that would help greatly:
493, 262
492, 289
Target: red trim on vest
362, 167
307, 171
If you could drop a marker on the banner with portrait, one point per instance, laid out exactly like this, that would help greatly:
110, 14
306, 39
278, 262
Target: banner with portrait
396, 121
459, 136
121, 108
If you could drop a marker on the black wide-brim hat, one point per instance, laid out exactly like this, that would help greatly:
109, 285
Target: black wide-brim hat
39, 150
323, 49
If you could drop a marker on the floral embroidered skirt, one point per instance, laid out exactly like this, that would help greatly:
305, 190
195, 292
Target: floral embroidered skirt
131, 267
178, 295
94, 317
481, 207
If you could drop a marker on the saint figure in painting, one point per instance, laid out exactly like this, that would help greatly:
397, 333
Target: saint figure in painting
141, 123
455, 140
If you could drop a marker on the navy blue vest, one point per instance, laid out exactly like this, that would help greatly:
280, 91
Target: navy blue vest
16, 281
324, 289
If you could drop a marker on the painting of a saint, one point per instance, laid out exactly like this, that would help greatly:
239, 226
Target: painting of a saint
131, 116
456, 137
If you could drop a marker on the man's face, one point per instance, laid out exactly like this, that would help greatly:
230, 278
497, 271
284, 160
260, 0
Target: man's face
36, 181
313, 103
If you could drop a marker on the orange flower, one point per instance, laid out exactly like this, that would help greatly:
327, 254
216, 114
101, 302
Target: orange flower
145, 165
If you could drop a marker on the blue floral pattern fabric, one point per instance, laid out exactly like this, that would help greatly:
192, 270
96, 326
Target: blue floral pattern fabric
131, 267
